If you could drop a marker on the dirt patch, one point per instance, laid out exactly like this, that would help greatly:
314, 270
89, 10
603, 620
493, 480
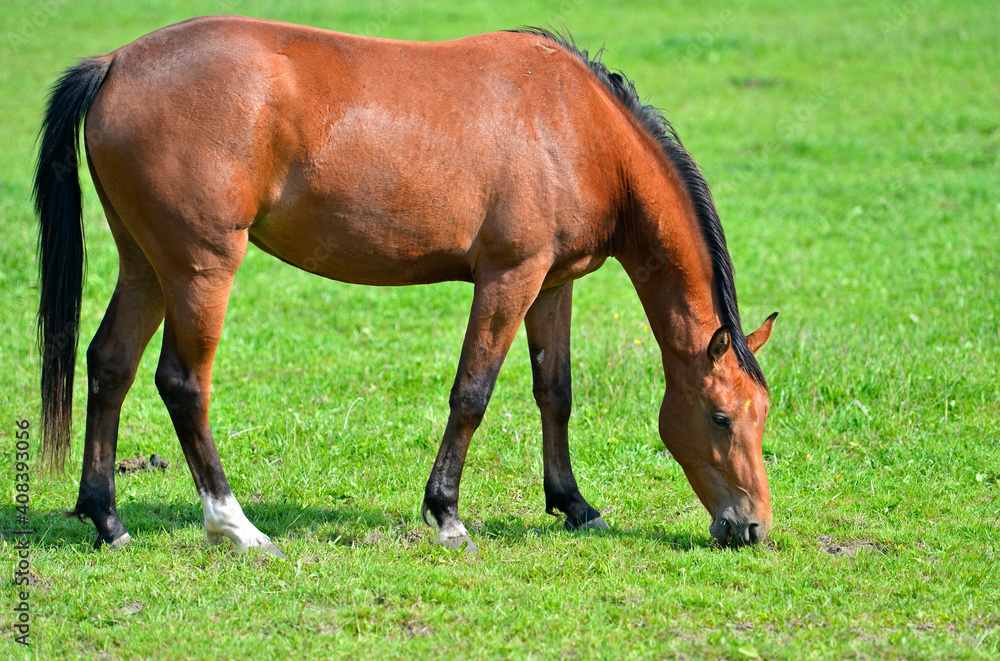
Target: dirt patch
345, 540
131, 609
414, 536
137, 464
851, 547
375, 537
35, 581
415, 628
386, 535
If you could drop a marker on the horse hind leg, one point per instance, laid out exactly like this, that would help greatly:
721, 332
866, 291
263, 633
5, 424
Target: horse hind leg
547, 325
195, 302
133, 315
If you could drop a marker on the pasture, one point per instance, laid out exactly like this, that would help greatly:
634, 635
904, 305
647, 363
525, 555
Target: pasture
854, 154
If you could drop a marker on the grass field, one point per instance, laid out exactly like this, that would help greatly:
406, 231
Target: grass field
854, 151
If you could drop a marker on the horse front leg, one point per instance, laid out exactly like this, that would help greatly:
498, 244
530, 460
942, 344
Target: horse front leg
547, 325
499, 304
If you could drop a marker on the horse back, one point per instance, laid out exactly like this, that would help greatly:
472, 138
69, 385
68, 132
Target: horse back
365, 160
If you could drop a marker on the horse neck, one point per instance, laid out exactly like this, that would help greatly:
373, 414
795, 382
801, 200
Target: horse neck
663, 250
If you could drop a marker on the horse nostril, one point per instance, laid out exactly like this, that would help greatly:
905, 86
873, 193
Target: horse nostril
739, 532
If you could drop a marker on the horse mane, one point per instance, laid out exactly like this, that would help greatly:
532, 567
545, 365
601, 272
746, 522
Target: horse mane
656, 125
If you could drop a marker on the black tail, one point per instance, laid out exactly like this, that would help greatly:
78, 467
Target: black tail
60, 249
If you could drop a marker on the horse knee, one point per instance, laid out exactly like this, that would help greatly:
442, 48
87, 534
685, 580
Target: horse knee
469, 405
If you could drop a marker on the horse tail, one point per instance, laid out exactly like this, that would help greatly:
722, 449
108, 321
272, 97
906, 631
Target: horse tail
61, 254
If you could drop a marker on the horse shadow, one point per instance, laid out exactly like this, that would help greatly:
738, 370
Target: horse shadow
347, 525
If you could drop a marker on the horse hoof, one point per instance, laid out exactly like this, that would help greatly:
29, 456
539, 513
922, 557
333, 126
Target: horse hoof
269, 547
116, 544
593, 524
264, 545
461, 542
121, 541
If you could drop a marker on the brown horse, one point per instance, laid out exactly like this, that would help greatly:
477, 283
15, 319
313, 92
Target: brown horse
509, 160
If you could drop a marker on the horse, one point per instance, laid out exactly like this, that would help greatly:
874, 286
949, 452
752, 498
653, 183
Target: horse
512, 160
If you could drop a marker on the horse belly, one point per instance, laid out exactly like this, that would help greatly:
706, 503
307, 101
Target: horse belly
365, 250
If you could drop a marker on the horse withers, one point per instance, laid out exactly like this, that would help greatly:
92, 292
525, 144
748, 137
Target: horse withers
509, 160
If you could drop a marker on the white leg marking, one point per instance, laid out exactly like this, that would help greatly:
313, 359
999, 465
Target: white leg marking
453, 535
449, 533
456, 536
225, 518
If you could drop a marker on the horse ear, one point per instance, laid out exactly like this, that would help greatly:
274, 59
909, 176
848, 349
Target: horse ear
719, 345
759, 337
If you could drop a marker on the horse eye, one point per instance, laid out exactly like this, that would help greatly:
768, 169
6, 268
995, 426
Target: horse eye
721, 421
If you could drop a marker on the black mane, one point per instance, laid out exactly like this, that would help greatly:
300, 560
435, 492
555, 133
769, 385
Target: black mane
657, 126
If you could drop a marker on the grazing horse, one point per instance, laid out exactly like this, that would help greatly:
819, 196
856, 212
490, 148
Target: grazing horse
509, 160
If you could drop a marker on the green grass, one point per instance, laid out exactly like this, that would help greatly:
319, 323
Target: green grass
854, 149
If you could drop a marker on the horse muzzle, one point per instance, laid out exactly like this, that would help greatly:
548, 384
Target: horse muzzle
730, 528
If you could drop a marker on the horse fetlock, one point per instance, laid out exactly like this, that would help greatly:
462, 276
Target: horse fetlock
570, 502
110, 528
428, 516
440, 504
